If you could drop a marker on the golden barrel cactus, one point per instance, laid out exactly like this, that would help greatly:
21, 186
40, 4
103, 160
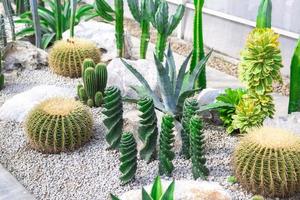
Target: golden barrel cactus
59, 124
267, 162
66, 56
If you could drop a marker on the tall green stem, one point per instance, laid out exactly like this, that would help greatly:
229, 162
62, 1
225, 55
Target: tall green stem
72, 20
119, 12
145, 37
264, 16
58, 19
294, 103
161, 44
198, 51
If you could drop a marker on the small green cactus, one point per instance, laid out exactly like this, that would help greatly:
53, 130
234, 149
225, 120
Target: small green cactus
113, 110
95, 80
166, 143
197, 148
128, 150
67, 56
148, 131
190, 107
58, 124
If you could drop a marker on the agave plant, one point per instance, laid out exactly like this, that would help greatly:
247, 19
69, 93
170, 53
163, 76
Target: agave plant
156, 192
264, 16
54, 19
175, 88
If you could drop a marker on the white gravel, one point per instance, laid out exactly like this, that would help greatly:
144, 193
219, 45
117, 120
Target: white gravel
91, 172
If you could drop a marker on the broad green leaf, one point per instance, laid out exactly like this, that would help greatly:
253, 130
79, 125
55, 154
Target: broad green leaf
171, 67
113, 197
134, 9
175, 19
169, 193
215, 106
157, 190
145, 195
47, 39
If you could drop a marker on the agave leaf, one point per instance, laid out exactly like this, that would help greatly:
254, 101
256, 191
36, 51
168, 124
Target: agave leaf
161, 17
169, 193
165, 86
183, 96
170, 64
157, 189
175, 19
113, 197
135, 10
103, 10
215, 106
140, 90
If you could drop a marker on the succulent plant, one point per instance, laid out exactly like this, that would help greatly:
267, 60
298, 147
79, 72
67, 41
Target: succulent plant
189, 110
174, 88
266, 162
264, 16
128, 158
232, 97
148, 131
259, 69
166, 143
294, 102
198, 46
66, 57
113, 110
156, 192
163, 24
197, 148
105, 11
58, 124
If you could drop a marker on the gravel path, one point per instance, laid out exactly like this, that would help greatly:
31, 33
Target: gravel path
91, 172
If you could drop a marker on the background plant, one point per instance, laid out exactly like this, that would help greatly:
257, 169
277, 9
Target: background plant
163, 24
3, 43
128, 157
264, 16
36, 22
294, 101
166, 144
113, 110
172, 87
1, 74
9, 15
54, 20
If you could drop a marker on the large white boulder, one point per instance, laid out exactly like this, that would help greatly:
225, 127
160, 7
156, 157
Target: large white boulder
208, 95
103, 34
17, 107
120, 76
187, 190
290, 122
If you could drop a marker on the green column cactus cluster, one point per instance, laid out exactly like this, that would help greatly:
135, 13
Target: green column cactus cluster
67, 56
94, 83
266, 162
197, 148
113, 110
163, 24
128, 158
58, 124
259, 69
190, 108
148, 131
166, 143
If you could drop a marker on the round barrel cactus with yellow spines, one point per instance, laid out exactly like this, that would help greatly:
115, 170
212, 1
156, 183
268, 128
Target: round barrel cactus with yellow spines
66, 56
58, 124
267, 162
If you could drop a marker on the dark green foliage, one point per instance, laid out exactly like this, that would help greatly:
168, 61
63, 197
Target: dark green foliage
231, 97
113, 110
95, 80
264, 16
197, 148
166, 143
190, 108
294, 102
148, 131
1, 75
128, 158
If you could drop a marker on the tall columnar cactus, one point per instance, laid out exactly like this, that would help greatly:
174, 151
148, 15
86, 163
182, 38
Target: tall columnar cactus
166, 143
294, 102
264, 16
113, 110
198, 50
140, 12
67, 56
1, 75
58, 124
164, 26
104, 10
128, 158
259, 69
148, 131
95, 80
189, 110
266, 162
197, 148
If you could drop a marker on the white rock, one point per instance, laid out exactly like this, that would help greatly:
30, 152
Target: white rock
120, 76
17, 107
208, 95
22, 54
290, 122
187, 190
103, 34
